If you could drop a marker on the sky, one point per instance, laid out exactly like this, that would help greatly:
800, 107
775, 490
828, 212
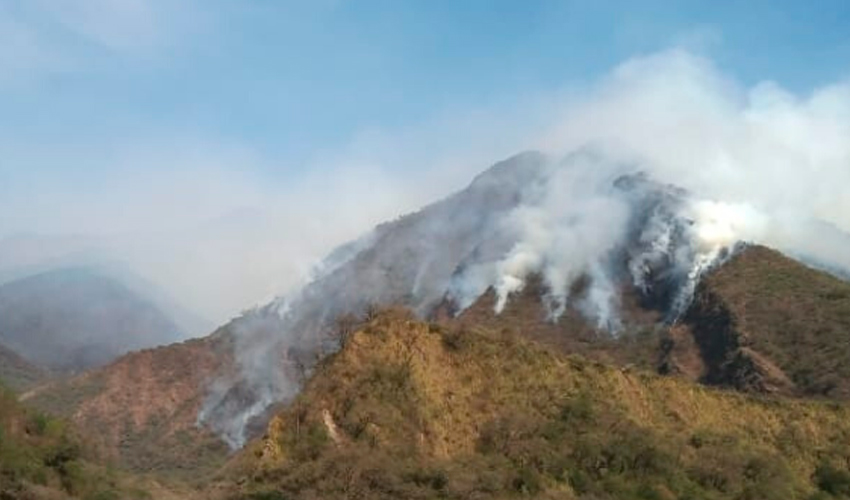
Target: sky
221, 147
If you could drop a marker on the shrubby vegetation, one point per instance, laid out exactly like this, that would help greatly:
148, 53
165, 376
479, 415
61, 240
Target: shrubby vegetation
41, 458
795, 316
410, 410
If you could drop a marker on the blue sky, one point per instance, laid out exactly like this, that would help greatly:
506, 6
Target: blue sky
291, 79
289, 127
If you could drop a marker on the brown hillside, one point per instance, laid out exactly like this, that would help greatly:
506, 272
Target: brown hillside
526, 314
749, 320
767, 323
18, 373
142, 409
411, 410
43, 458
762, 322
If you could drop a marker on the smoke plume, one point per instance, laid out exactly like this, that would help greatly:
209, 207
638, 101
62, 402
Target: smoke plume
648, 180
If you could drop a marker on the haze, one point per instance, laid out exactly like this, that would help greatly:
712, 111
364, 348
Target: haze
219, 150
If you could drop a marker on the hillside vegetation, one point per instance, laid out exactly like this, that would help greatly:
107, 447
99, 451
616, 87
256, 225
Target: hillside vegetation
414, 410
511, 405
16, 372
41, 458
764, 322
141, 410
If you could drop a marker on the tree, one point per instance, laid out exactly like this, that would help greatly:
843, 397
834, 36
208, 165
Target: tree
344, 327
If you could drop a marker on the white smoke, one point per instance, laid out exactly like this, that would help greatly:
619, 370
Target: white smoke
782, 154
652, 178
585, 217
262, 378
567, 221
571, 222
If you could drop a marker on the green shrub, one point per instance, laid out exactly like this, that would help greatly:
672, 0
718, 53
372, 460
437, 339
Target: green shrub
833, 480
267, 495
38, 424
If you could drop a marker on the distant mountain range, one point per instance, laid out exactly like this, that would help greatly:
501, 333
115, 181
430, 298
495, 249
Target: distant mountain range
18, 373
68, 320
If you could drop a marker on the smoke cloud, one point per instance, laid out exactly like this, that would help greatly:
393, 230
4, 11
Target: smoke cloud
648, 179
783, 155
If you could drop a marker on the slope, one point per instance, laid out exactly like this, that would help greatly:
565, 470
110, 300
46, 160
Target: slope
16, 372
759, 322
72, 319
412, 410
765, 322
142, 409
41, 458
478, 239
525, 314
434, 261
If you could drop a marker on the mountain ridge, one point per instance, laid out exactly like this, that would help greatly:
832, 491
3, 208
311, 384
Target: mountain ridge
16, 372
788, 321
663, 299
86, 318
415, 410
508, 224
141, 410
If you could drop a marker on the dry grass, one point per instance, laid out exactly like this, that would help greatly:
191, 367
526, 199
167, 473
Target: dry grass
794, 316
423, 411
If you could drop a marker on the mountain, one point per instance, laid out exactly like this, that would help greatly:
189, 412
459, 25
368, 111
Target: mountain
67, 320
16, 372
25, 255
760, 322
625, 275
607, 248
765, 322
485, 405
414, 410
42, 458
142, 409
410, 261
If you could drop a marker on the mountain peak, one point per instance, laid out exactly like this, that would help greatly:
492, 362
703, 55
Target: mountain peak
586, 223
514, 171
